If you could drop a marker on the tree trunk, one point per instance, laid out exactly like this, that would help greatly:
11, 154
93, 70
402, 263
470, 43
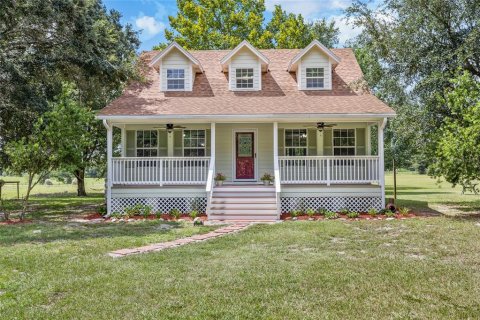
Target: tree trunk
80, 175
27, 196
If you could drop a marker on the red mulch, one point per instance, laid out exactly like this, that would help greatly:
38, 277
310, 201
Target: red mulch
164, 216
15, 221
362, 216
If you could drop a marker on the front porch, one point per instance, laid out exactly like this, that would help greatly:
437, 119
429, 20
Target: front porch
174, 167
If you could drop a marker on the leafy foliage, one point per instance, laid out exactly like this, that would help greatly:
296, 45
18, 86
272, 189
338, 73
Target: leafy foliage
201, 24
408, 51
52, 143
44, 43
458, 152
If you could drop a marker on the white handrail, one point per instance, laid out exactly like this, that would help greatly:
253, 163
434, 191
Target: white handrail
210, 181
329, 169
160, 170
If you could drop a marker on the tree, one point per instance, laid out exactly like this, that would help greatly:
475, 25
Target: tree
290, 31
202, 24
217, 24
53, 143
44, 43
457, 150
414, 48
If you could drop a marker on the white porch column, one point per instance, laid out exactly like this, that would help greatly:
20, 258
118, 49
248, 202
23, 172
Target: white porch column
319, 142
124, 141
212, 140
109, 165
381, 155
170, 143
275, 141
368, 138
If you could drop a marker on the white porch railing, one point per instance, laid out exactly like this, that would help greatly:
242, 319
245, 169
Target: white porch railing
160, 171
329, 170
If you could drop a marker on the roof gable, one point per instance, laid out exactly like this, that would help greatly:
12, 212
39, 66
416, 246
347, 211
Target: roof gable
244, 44
314, 44
174, 45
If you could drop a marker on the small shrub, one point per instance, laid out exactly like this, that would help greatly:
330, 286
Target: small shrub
321, 211
344, 211
116, 215
310, 212
158, 214
175, 213
331, 215
372, 212
135, 210
146, 211
102, 210
353, 214
193, 214
404, 211
294, 213
389, 213
48, 182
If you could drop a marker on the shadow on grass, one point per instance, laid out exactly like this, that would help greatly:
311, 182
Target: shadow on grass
419, 207
45, 232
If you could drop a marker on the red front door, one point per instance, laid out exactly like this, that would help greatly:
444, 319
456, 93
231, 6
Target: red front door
245, 155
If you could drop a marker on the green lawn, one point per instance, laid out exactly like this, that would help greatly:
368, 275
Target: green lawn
422, 193
423, 268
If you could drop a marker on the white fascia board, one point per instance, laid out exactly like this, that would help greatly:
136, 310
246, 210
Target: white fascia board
172, 45
314, 43
247, 44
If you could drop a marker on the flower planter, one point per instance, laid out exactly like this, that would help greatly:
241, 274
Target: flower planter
266, 182
219, 182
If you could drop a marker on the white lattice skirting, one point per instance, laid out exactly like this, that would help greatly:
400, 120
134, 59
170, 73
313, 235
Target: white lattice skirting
163, 205
360, 204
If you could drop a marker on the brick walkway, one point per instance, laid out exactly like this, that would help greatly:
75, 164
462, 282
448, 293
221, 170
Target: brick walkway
180, 242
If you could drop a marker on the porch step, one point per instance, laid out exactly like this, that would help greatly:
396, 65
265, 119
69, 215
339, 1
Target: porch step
243, 202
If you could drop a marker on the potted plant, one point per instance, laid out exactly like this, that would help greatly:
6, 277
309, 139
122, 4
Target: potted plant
219, 178
267, 178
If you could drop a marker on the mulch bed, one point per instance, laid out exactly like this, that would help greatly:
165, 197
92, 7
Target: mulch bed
15, 221
165, 216
362, 216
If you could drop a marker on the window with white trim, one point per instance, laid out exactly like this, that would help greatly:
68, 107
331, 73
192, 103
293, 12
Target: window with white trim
244, 78
296, 142
147, 143
194, 143
343, 142
175, 79
315, 78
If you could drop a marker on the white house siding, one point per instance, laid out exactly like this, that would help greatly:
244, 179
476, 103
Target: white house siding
245, 58
322, 144
315, 59
225, 148
176, 60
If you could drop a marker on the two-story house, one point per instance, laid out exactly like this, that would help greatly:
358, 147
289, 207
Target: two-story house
299, 115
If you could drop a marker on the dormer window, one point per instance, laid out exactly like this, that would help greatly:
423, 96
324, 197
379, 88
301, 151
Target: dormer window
244, 65
175, 79
315, 78
314, 67
244, 78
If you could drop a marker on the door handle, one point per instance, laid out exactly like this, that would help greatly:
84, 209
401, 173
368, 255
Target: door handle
255, 155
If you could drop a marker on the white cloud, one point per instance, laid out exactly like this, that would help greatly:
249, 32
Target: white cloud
347, 30
150, 26
308, 8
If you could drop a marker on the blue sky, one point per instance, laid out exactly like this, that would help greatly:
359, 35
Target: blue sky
151, 16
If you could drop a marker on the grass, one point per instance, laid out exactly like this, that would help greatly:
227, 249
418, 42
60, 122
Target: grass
419, 268
422, 193
58, 268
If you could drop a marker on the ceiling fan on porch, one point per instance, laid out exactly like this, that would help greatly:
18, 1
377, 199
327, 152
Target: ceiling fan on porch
170, 127
320, 126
